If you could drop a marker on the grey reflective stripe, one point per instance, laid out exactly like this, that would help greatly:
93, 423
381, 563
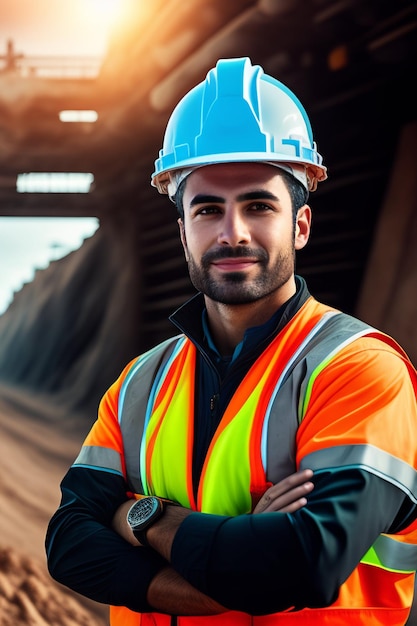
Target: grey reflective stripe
374, 460
133, 403
97, 457
393, 554
330, 334
149, 361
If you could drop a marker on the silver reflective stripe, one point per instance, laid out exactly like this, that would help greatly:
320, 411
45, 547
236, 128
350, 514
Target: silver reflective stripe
148, 361
133, 403
393, 555
286, 405
333, 331
97, 457
367, 457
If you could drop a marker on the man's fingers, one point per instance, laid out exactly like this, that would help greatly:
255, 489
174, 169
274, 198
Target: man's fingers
288, 495
294, 506
290, 482
289, 501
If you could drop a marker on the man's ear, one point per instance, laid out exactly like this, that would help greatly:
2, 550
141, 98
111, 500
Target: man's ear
183, 237
302, 227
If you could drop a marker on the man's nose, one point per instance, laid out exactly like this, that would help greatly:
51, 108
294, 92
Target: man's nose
234, 229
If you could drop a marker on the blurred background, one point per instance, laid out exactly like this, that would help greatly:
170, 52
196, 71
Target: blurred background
90, 260
86, 89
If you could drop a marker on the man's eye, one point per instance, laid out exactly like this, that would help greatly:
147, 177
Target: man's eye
207, 210
260, 206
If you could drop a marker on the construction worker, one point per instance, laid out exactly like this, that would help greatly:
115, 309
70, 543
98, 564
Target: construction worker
192, 501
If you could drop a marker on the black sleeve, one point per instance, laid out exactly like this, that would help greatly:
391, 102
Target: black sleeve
271, 562
86, 555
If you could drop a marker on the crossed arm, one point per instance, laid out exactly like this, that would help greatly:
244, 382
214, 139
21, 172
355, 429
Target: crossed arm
168, 592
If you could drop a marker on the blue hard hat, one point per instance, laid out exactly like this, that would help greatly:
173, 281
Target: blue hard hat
238, 114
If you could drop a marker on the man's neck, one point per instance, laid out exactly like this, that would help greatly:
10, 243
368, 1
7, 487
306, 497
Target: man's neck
229, 322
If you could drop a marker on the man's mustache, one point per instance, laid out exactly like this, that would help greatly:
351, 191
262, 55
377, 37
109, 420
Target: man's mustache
233, 253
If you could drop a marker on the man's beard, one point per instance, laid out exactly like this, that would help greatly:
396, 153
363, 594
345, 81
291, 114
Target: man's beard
237, 287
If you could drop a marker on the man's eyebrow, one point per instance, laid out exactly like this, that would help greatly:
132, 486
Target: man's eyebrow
257, 194
205, 199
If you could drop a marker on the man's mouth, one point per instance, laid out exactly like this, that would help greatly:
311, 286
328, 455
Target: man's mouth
237, 264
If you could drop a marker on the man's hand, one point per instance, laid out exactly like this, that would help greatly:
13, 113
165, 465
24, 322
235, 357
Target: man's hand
288, 495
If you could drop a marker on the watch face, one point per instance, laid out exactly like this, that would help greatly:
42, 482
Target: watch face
143, 510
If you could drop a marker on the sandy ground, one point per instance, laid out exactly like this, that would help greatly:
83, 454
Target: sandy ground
34, 455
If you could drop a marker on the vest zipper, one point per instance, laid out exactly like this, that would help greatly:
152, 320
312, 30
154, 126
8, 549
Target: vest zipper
213, 402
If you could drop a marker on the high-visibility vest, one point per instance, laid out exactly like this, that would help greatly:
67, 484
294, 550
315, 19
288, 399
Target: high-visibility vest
156, 408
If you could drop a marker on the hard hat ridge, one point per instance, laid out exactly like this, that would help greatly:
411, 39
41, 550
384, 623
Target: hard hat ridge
230, 104
238, 114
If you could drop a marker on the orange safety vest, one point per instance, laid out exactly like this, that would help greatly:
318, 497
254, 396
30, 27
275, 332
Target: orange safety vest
156, 407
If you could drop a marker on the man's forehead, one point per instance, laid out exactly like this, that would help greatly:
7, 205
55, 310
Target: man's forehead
228, 176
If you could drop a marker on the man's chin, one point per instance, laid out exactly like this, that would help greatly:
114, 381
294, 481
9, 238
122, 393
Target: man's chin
232, 289
231, 297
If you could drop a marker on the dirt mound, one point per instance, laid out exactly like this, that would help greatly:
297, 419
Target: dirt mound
28, 596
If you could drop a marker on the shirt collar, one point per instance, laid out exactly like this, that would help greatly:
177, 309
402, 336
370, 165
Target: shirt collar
191, 319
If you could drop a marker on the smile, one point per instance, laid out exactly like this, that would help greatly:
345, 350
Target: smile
234, 264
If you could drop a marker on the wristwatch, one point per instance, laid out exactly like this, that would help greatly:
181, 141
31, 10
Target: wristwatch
142, 514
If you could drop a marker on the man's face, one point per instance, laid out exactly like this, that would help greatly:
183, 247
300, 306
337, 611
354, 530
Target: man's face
238, 232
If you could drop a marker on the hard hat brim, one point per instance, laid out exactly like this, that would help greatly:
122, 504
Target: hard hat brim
314, 173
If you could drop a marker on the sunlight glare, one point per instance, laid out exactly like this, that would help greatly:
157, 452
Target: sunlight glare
104, 13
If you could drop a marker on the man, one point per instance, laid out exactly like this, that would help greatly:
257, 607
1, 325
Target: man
265, 393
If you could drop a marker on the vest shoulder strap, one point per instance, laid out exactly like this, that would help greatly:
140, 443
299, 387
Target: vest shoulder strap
133, 400
334, 331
